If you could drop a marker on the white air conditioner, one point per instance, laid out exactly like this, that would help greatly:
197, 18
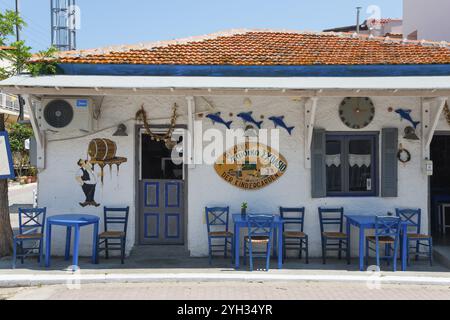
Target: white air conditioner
58, 114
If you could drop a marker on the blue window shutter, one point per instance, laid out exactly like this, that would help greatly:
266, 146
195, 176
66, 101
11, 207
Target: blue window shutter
318, 168
389, 163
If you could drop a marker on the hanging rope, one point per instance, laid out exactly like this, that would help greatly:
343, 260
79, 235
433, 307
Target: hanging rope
447, 112
141, 115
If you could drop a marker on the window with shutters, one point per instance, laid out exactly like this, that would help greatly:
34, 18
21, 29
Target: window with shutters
351, 163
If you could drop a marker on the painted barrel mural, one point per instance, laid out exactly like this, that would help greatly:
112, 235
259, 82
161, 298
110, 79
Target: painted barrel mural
102, 149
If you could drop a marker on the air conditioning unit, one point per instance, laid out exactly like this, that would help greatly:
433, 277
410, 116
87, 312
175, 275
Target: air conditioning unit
65, 114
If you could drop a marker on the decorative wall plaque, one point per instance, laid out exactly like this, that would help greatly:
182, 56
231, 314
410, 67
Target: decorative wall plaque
251, 166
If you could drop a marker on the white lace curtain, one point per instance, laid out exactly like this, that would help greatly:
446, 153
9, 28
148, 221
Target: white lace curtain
358, 160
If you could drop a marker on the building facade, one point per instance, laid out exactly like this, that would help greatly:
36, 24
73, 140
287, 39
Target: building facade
341, 113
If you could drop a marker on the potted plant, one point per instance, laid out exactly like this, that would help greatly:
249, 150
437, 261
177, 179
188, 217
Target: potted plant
244, 209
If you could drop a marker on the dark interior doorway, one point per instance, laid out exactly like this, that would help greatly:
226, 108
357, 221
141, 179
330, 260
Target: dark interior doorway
161, 191
440, 187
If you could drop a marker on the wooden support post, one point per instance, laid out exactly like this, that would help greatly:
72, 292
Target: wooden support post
190, 134
310, 117
38, 134
431, 111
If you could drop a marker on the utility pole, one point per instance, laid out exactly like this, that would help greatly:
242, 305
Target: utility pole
19, 97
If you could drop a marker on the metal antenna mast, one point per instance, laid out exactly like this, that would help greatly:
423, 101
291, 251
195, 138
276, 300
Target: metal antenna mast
63, 16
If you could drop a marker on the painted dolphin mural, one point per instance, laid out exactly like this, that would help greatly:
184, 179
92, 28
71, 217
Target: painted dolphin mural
279, 122
215, 117
406, 114
247, 117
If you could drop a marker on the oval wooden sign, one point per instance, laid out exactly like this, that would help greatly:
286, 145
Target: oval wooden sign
251, 166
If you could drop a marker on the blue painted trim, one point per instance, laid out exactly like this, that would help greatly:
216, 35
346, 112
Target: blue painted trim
146, 216
9, 155
257, 71
177, 185
166, 225
146, 185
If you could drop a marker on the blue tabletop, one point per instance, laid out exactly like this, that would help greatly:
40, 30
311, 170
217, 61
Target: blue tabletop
238, 217
365, 220
74, 218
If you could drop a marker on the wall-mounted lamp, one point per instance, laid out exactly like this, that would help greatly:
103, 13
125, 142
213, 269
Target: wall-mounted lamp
121, 131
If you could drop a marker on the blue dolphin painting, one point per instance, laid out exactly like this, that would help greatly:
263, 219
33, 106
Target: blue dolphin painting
215, 117
247, 117
406, 114
279, 122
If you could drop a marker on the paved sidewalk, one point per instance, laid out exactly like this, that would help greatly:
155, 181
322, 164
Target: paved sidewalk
232, 291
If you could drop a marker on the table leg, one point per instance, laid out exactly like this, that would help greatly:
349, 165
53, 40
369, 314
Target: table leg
404, 246
275, 242
348, 241
236, 246
68, 240
76, 245
48, 242
280, 247
361, 248
94, 244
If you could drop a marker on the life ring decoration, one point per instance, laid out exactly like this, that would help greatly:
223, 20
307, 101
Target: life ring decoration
403, 155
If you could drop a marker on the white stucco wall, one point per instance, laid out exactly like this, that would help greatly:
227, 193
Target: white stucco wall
429, 18
59, 191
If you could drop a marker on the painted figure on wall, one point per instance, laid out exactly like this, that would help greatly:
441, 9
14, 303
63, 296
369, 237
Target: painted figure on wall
88, 181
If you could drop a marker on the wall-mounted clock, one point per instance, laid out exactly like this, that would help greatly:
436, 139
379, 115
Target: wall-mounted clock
356, 112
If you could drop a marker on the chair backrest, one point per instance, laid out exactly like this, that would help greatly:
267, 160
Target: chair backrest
412, 216
260, 225
293, 218
32, 220
333, 217
114, 217
217, 218
387, 226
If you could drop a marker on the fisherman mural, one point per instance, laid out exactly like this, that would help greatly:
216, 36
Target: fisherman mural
102, 153
88, 181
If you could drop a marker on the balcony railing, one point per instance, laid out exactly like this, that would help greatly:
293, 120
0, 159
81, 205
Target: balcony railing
9, 102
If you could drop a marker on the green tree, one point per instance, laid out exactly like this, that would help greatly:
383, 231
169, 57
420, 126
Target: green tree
18, 133
18, 55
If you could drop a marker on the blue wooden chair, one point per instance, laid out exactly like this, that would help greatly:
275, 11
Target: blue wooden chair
331, 228
260, 232
293, 235
217, 223
413, 217
115, 235
31, 230
387, 233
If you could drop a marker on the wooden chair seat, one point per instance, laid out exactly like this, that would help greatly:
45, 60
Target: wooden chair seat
29, 236
294, 234
414, 236
112, 234
220, 234
335, 235
257, 239
382, 239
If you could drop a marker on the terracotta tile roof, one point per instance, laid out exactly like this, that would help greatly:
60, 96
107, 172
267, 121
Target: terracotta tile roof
269, 48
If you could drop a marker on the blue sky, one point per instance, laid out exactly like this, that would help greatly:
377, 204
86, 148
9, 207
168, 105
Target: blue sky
114, 22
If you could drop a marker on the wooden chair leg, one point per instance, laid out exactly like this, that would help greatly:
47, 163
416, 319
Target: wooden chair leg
366, 258
340, 250
122, 250
324, 250
300, 253
106, 249
14, 254
430, 251
250, 253
307, 250
209, 251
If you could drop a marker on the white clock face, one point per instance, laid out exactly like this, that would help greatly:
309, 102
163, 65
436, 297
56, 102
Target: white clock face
357, 113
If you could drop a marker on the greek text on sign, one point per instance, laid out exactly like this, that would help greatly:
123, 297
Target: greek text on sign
251, 166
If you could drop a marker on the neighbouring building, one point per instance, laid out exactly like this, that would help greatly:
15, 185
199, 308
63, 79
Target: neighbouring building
342, 104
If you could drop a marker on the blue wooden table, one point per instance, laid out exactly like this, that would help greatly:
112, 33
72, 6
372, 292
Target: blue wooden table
70, 221
368, 222
240, 222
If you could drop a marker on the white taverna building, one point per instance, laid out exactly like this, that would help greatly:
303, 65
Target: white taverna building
347, 101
